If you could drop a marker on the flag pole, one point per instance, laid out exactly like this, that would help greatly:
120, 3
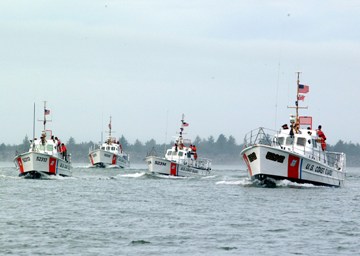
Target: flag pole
297, 99
44, 116
34, 123
297, 96
110, 129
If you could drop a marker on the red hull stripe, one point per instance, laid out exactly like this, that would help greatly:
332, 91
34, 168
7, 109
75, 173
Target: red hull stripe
113, 159
293, 167
173, 169
52, 165
247, 164
91, 160
21, 167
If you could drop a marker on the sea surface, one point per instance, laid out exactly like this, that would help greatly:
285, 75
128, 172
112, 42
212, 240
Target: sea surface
128, 212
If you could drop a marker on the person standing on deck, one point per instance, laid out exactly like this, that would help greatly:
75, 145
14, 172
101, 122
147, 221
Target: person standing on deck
64, 151
322, 138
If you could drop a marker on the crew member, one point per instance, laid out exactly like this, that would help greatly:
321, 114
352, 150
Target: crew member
322, 138
176, 147
58, 144
193, 148
297, 126
189, 152
285, 126
64, 151
43, 139
291, 133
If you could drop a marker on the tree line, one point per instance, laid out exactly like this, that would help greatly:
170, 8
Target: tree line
223, 150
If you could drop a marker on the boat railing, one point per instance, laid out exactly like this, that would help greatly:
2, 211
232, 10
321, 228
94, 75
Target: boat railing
152, 152
260, 135
201, 163
336, 160
93, 147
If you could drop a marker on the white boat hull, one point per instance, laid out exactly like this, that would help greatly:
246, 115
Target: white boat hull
102, 158
267, 162
35, 163
163, 166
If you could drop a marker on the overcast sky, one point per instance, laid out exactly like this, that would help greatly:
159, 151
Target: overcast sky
228, 65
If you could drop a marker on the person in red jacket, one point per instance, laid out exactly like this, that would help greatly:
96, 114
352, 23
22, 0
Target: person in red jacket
322, 138
193, 148
64, 151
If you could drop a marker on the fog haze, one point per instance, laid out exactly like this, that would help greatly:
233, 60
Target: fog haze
229, 66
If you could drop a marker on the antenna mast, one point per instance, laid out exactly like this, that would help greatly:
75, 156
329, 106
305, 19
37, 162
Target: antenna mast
181, 128
110, 128
46, 112
44, 115
297, 97
34, 123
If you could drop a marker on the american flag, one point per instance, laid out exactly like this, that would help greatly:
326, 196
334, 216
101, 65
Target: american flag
47, 111
303, 88
185, 124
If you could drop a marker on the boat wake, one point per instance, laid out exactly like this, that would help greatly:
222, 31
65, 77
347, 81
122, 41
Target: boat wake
246, 182
243, 182
208, 177
113, 166
41, 176
290, 184
84, 166
163, 176
4, 176
132, 175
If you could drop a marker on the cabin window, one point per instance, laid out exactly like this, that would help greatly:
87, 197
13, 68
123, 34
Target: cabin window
107, 148
289, 141
281, 140
49, 147
41, 147
301, 141
169, 153
314, 143
103, 148
112, 148
181, 153
174, 153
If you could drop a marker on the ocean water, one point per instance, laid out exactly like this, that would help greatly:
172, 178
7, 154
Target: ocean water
128, 212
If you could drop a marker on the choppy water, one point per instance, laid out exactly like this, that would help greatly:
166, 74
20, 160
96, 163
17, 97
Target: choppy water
116, 212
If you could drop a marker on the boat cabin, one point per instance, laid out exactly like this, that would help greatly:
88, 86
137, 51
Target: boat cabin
305, 142
177, 155
45, 144
112, 146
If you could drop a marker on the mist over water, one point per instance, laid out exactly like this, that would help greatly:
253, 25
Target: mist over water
129, 212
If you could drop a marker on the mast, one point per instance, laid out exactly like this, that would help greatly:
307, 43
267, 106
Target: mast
110, 130
34, 123
297, 96
182, 127
44, 115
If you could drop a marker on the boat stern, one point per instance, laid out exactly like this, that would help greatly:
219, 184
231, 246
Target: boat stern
161, 166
